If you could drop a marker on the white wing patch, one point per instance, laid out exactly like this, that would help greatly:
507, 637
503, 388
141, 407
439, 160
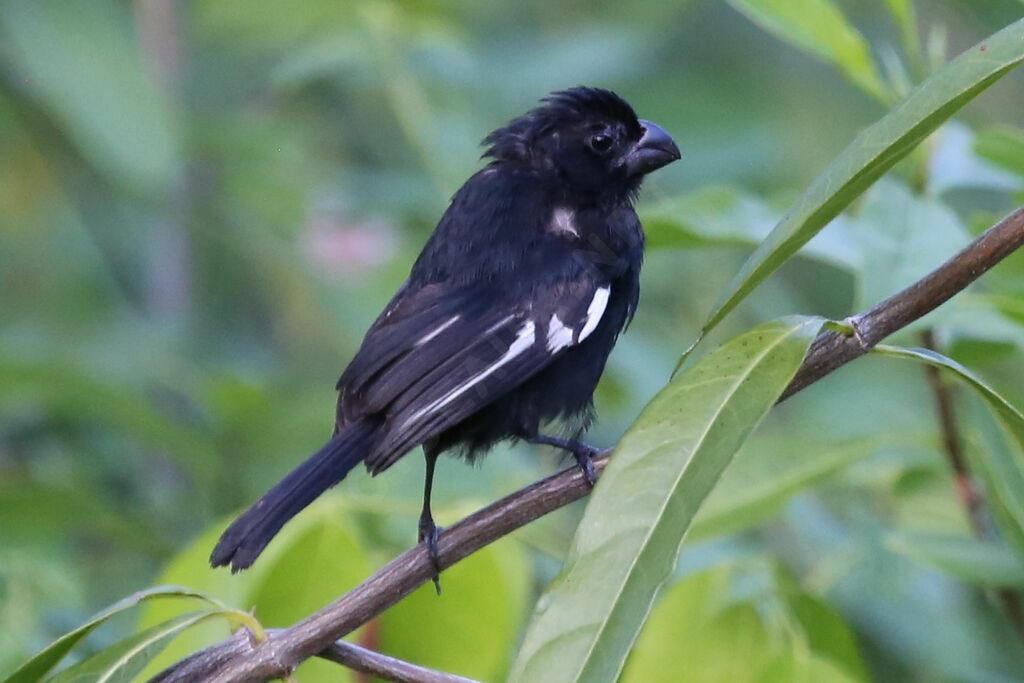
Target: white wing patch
559, 336
595, 310
524, 340
437, 330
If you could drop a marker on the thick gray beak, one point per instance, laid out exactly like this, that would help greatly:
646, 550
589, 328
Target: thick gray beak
655, 149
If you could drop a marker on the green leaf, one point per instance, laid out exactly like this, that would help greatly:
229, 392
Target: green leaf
320, 560
1003, 146
37, 667
827, 635
191, 566
482, 603
125, 659
903, 12
314, 559
698, 627
902, 238
981, 563
317, 562
768, 472
954, 165
742, 622
81, 61
797, 667
733, 645
995, 456
919, 499
1002, 463
875, 151
727, 217
819, 27
629, 538
710, 216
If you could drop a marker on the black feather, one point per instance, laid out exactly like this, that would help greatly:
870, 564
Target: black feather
508, 315
515, 141
248, 535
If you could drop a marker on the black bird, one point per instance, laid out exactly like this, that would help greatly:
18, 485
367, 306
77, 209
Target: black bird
508, 315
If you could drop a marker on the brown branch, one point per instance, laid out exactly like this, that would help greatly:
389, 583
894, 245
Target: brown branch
366, 661
356, 657
832, 350
239, 659
967, 489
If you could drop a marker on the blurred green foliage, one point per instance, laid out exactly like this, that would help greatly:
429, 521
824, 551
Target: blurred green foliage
203, 205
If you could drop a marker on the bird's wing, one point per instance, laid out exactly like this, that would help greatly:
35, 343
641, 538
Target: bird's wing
409, 315
428, 375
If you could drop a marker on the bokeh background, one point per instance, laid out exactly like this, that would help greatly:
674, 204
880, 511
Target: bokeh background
204, 204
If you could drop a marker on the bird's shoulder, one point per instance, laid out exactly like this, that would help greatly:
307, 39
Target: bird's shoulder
425, 327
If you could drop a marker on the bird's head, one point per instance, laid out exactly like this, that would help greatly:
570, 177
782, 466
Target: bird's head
588, 138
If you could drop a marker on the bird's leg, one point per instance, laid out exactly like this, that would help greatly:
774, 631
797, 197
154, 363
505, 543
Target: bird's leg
429, 531
583, 452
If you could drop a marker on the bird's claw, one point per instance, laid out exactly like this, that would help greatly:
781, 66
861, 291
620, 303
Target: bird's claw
585, 461
429, 534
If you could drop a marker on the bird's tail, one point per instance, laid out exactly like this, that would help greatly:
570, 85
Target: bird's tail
248, 535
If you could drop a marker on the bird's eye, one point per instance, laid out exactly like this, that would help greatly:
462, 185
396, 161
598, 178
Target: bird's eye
601, 143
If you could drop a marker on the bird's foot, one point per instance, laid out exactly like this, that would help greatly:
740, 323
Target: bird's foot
585, 461
429, 534
583, 452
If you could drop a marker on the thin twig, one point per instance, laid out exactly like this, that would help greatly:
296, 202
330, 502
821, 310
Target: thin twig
390, 669
239, 659
832, 350
366, 661
967, 489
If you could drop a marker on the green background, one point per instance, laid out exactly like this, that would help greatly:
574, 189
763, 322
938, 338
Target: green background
203, 206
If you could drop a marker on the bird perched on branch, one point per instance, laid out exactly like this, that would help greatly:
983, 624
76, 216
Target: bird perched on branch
507, 317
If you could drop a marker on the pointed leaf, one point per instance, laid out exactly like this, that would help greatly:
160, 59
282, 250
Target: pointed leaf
1003, 146
124, 660
819, 27
875, 151
629, 538
314, 558
981, 563
903, 12
1002, 463
34, 669
725, 217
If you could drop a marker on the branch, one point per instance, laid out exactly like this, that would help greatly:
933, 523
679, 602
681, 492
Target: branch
239, 659
966, 489
832, 350
367, 661
971, 498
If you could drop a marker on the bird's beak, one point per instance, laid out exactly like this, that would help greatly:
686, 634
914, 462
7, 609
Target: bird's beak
654, 149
